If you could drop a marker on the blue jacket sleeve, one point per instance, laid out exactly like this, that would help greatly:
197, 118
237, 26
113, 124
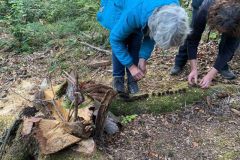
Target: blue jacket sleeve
146, 48
127, 24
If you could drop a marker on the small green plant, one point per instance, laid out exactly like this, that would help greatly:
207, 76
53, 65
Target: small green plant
128, 119
213, 36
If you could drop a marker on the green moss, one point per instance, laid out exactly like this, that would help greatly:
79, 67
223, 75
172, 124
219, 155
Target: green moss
157, 105
69, 155
5, 121
230, 155
169, 103
232, 89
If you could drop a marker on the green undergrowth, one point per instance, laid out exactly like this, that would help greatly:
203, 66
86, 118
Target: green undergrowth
38, 24
156, 105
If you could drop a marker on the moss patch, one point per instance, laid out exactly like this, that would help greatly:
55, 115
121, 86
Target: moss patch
69, 155
5, 122
231, 155
157, 105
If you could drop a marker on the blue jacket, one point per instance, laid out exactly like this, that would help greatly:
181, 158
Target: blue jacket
123, 17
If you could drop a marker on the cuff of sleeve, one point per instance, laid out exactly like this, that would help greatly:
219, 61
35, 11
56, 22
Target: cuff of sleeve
192, 53
143, 57
129, 64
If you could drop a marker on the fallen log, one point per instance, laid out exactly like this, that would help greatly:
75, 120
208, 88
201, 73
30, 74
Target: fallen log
99, 63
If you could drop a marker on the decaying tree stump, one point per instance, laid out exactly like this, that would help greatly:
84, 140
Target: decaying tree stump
50, 129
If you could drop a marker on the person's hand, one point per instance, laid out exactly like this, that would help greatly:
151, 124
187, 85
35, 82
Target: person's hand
136, 72
193, 77
207, 80
142, 65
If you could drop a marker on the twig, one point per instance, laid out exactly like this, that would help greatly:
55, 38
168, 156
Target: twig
86, 35
21, 96
54, 102
69, 112
95, 73
50, 80
208, 36
35, 100
96, 48
71, 115
76, 98
58, 112
69, 78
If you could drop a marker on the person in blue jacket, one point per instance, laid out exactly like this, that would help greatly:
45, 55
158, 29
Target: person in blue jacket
222, 15
135, 26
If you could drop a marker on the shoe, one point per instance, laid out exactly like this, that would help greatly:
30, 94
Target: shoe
227, 74
132, 85
118, 84
175, 70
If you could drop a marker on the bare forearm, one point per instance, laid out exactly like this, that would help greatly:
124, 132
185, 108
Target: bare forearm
212, 73
193, 64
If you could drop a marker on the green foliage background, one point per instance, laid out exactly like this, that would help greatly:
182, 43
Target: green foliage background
39, 23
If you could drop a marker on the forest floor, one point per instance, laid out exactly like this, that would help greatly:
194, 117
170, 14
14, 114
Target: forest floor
167, 127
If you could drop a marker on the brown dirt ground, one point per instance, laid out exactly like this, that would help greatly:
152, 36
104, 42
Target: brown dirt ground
198, 132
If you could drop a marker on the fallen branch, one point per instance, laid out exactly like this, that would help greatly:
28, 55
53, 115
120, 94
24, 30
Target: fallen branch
96, 48
235, 111
99, 63
21, 96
